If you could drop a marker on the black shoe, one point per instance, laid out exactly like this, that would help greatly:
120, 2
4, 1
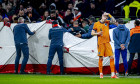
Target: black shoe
62, 73
48, 73
16, 72
23, 73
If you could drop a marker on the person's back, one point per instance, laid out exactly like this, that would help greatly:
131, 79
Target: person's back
56, 35
20, 31
21, 44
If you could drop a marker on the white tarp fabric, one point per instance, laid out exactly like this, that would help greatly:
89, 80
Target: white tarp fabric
82, 52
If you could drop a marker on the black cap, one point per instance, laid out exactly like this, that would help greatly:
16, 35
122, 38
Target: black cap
54, 22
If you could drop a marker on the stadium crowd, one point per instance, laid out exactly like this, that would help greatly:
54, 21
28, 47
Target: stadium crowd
78, 17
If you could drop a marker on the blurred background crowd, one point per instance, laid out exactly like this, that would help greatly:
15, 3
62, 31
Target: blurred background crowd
65, 11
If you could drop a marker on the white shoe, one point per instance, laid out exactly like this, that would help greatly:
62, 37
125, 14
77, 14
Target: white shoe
101, 75
126, 74
117, 74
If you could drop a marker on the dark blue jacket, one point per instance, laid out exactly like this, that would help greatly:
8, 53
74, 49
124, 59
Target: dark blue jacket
121, 35
88, 35
77, 30
56, 35
20, 31
134, 45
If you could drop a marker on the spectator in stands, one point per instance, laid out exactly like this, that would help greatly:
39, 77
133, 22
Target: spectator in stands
8, 2
81, 6
85, 26
76, 30
56, 37
42, 9
32, 14
121, 37
93, 10
21, 44
58, 4
70, 6
54, 16
134, 46
45, 16
60, 14
77, 14
10, 10
13, 18
88, 35
52, 7
67, 4
2, 11
22, 14
46, 3
68, 16
20, 7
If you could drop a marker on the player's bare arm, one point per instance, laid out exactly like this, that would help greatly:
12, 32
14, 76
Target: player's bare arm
93, 33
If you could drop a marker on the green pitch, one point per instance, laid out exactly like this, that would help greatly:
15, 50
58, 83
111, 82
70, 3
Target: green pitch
64, 79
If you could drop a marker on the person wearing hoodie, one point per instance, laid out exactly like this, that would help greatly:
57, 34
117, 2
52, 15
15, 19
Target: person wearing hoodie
52, 7
54, 16
121, 37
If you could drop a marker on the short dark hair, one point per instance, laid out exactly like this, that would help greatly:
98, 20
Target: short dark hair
85, 22
29, 6
91, 18
120, 20
15, 18
70, 3
137, 22
69, 9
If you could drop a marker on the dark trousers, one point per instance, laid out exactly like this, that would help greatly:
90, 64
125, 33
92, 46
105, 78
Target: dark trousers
124, 57
131, 60
53, 49
25, 50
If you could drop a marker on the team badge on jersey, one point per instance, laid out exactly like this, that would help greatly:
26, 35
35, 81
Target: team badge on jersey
105, 24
